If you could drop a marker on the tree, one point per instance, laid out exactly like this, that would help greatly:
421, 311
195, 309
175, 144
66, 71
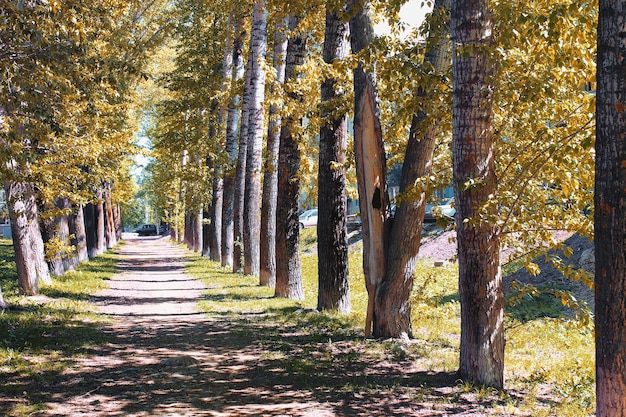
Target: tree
267, 272
393, 298
370, 158
332, 240
480, 279
228, 203
252, 203
610, 211
288, 270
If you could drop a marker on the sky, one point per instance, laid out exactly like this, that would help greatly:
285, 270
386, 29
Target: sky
412, 13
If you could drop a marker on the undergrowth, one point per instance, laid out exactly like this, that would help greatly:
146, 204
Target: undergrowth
549, 369
44, 334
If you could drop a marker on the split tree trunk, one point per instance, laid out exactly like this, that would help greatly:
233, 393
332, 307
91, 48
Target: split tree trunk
252, 206
610, 212
288, 269
332, 239
267, 272
473, 154
393, 298
370, 160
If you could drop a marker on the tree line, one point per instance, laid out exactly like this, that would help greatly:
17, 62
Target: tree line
498, 100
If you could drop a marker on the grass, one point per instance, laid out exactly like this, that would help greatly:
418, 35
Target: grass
47, 333
549, 367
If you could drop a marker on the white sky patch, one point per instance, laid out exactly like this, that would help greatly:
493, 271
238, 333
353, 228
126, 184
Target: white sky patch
412, 14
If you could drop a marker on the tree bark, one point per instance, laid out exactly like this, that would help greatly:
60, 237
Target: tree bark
215, 226
480, 279
100, 225
332, 238
206, 234
197, 229
267, 271
27, 241
610, 211
254, 155
240, 174
91, 232
393, 298
232, 152
288, 270
370, 160
77, 229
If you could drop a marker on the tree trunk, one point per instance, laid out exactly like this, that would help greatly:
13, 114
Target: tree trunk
393, 298
332, 239
215, 226
288, 270
51, 235
109, 223
480, 280
117, 218
254, 155
370, 160
267, 272
70, 259
91, 230
197, 229
610, 212
77, 230
100, 225
231, 150
206, 233
27, 242
240, 174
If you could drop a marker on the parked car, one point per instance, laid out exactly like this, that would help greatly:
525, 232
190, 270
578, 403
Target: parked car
444, 208
308, 218
147, 230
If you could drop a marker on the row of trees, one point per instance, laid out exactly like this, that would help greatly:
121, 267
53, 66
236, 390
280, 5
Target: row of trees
255, 110
519, 158
67, 122
516, 99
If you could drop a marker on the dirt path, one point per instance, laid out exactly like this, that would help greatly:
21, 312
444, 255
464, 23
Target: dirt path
165, 358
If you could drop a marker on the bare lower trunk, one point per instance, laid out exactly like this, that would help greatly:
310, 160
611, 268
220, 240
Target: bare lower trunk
252, 207
240, 174
288, 270
91, 232
267, 272
100, 224
215, 226
480, 279
332, 240
610, 212
77, 230
27, 241
232, 151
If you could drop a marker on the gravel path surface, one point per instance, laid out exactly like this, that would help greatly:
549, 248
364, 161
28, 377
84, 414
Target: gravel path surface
165, 358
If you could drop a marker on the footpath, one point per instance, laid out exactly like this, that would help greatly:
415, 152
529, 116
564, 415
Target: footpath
164, 357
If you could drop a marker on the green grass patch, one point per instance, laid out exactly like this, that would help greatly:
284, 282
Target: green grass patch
46, 333
549, 358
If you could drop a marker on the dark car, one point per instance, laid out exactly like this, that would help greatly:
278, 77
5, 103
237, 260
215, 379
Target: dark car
147, 230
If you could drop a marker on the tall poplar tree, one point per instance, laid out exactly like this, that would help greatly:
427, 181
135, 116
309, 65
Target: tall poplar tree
610, 211
332, 240
254, 155
288, 269
267, 272
474, 176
